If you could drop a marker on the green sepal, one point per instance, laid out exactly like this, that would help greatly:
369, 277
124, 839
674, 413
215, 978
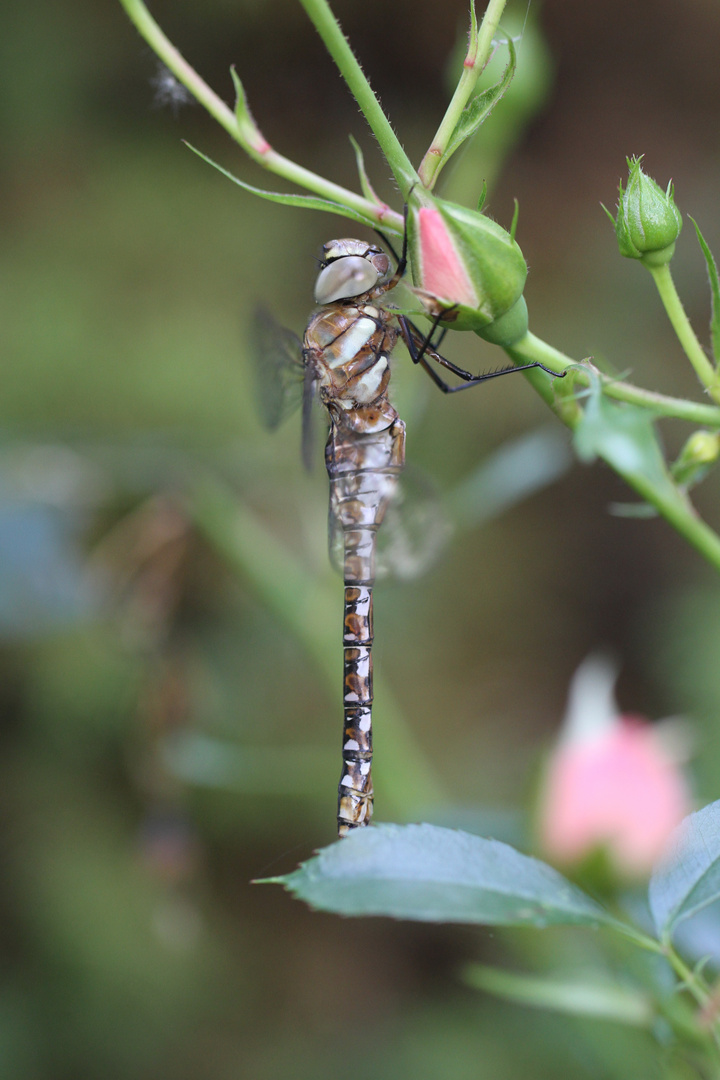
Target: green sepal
714, 293
307, 201
479, 107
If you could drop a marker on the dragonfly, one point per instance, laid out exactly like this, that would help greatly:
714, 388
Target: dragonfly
343, 362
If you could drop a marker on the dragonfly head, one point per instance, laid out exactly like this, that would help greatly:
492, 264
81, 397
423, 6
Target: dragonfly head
349, 268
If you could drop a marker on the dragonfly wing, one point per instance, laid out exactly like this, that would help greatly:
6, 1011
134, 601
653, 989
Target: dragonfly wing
336, 544
415, 529
309, 416
277, 353
413, 533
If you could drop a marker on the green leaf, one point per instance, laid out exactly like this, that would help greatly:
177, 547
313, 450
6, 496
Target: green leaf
688, 878
432, 874
473, 27
597, 999
311, 202
624, 436
515, 471
479, 108
483, 196
242, 109
514, 223
714, 292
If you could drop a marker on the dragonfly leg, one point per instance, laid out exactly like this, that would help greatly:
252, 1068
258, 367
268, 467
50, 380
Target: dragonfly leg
420, 348
401, 266
420, 345
420, 353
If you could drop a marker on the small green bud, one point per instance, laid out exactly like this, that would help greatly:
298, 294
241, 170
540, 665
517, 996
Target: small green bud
648, 222
463, 260
700, 451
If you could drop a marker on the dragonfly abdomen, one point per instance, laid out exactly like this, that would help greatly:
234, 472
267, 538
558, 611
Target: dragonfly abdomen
355, 791
364, 469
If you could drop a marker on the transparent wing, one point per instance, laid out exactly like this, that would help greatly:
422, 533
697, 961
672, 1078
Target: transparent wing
414, 531
277, 353
283, 380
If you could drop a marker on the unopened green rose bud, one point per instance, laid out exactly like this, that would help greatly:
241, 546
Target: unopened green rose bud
464, 261
700, 451
648, 222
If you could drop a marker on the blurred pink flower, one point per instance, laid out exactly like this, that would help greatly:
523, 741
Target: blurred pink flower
613, 782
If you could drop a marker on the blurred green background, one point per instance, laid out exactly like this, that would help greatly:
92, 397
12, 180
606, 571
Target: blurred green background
170, 649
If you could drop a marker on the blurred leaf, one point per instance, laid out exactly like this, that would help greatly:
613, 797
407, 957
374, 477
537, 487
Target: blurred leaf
310, 202
698, 939
688, 878
714, 293
640, 510
514, 472
625, 437
431, 874
209, 762
599, 1000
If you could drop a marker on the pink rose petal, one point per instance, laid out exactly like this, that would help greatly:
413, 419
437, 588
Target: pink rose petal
619, 789
444, 274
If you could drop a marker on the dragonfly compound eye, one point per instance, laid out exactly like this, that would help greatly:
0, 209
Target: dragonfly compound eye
348, 276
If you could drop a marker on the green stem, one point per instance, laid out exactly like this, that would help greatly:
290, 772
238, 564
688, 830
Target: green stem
246, 132
694, 351
699, 990
691, 980
477, 57
337, 45
667, 499
533, 348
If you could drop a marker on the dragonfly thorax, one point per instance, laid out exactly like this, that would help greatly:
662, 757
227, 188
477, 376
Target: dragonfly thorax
349, 268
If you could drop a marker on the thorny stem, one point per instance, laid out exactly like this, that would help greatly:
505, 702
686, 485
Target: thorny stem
698, 988
533, 348
694, 983
685, 333
479, 50
677, 510
689, 978
336, 43
247, 134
